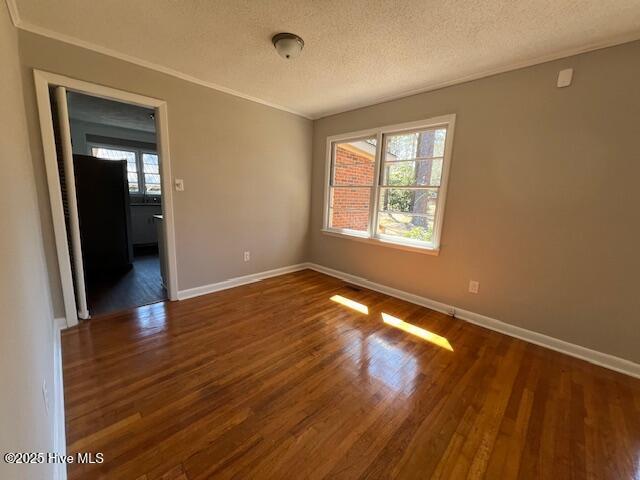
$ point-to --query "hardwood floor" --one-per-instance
(115, 291)
(275, 380)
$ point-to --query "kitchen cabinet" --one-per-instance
(143, 228)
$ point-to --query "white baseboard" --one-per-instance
(598, 358)
(59, 440)
(237, 281)
(592, 356)
(60, 323)
(393, 292)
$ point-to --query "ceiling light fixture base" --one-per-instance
(288, 45)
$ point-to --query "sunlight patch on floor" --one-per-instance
(350, 304)
(417, 331)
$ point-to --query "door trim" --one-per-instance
(43, 80)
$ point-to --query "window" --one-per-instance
(143, 168)
(388, 185)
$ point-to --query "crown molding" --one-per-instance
(29, 27)
(509, 67)
(13, 12)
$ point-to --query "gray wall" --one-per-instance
(246, 167)
(543, 206)
(26, 317)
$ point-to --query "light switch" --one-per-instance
(564, 77)
(179, 183)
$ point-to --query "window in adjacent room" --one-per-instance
(143, 168)
(388, 184)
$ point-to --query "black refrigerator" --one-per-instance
(102, 192)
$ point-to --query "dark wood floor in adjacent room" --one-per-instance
(275, 380)
(109, 292)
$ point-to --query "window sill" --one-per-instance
(383, 243)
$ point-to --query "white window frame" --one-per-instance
(139, 163)
(381, 134)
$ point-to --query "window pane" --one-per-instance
(413, 173)
(151, 178)
(354, 162)
(410, 146)
(151, 174)
(349, 208)
(150, 159)
(116, 154)
(407, 213)
(152, 188)
(352, 177)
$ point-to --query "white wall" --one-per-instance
(26, 318)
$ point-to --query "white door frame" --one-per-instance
(72, 203)
(43, 80)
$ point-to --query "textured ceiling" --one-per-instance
(109, 112)
(356, 52)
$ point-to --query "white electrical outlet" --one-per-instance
(45, 396)
(474, 286)
(247, 256)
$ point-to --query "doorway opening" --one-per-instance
(108, 172)
(119, 195)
